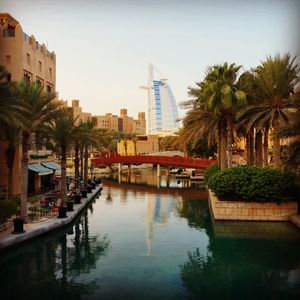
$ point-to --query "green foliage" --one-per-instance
(210, 171)
(255, 184)
(201, 148)
(168, 143)
(7, 209)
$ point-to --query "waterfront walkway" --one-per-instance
(33, 230)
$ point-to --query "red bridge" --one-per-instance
(175, 161)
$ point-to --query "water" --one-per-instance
(137, 241)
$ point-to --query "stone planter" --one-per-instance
(251, 211)
(84, 194)
(18, 226)
(78, 199)
(69, 205)
(62, 212)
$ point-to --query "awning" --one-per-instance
(39, 169)
(51, 165)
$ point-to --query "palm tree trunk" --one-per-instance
(276, 150)
(63, 175)
(76, 161)
(24, 178)
(10, 159)
(86, 159)
(81, 162)
(223, 146)
(229, 141)
(219, 146)
(266, 147)
(251, 154)
(248, 148)
(258, 148)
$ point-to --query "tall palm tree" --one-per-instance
(39, 108)
(12, 137)
(62, 132)
(219, 94)
(275, 80)
(11, 110)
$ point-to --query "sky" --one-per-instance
(103, 47)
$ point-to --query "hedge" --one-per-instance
(7, 209)
(255, 184)
(210, 171)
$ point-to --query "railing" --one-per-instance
(162, 160)
(9, 32)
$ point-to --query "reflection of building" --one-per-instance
(23, 56)
(144, 144)
(162, 108)
(158, 211)
(122, 123)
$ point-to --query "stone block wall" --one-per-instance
(254, 211)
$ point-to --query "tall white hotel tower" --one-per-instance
(162, 108)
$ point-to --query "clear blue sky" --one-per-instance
(103, 46)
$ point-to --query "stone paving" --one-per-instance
(35, 229)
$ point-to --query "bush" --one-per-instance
(255, 184)
(210, 171)
(7, 209)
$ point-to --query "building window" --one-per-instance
(50, 72)
(40, 66)
(49, 89)
(39, 81)
(27, 76)
(8, 78)
(28, 58)
(8, 59)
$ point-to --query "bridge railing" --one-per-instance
(162, 160)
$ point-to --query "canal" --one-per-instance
(149, 239)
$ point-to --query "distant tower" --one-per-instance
(162, 108)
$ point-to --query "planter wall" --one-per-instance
(254, 211)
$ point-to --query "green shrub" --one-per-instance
(7, 209)
(210, 171)
(255, 184)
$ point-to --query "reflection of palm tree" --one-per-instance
(236, 268)
(87, 249)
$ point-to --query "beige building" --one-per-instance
(144, 144)
(122, 123)
(23, 56)
(78, 114)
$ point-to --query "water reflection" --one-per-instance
(52, 269)
(140, 242)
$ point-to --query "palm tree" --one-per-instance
(12, 137)
(11, 110)
(90, 138)
(275, 80)
(62, 132)
(39, 108)
(219, 94)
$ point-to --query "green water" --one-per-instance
(138, 241)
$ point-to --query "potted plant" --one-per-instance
(84, 193)
(77, 198)
(70, 204)
(62, 212)
(18, 222)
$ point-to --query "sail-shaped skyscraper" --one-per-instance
(162, 108)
